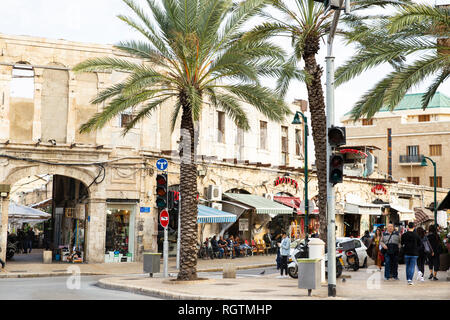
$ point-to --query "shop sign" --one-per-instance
(379, 189)
(243, 224)
(286, 180)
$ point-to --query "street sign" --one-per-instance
(164, 218)
(145, 209)
(162, 164)
(311, 207)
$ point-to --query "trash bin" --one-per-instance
(152, 263)
(309, 274)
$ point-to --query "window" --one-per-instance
(125, 119)
(298, 142)
(220, 127)
(435, 149)
(414, 180)
(22, 83)
(284, 145)
(412, 150)
(367, 122)
(424, 118)
(263, 135)
(438, 182)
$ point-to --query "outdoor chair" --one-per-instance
(260, 247)
(254, 247)
(249, 250)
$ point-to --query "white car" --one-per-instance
(360, 248)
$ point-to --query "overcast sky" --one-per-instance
(95, 21)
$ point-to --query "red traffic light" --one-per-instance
(337, 136)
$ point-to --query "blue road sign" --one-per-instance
(145, 210)
(162, 164)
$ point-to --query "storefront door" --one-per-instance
(120, 232)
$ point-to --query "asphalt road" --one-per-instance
(58, 288)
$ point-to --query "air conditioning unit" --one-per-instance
(214, 193)
(217, 206)
(268, 196)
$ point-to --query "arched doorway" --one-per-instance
(75, 196)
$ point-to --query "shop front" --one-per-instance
(120, 232)
(361, 217)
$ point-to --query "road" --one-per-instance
(56, 288)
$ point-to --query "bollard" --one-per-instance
(317, 251)
(229, 271)
(47, 257)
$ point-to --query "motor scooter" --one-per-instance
(350, 253)
(300, 251)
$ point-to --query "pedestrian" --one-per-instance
(424, 250)
(21, 243)
(285, 250)
(29, 240)
(433, 257)
(375, 250)
(366, 238)
(278, 244)
(411, 243)
(2, 263)
(390, 244)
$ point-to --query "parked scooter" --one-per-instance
(351, 255)
(11, 249)
(299, 252)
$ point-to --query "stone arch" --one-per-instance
(238, 190)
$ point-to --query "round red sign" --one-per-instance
(164, 218)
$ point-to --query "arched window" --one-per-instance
(22, 83)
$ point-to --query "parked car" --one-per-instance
(360, 248)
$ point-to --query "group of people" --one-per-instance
(24, 240)
(416, 245)
(231, 246)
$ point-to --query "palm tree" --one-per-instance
(305, 23)
(413, 30)
(193, 53)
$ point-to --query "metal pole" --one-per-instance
(179, 234)
(331, 215)
(166, 253)
(306, 186)
(435, 197)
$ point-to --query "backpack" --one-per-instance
(426, 245)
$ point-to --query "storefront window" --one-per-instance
(119, 235)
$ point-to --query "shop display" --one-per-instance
(117, 236)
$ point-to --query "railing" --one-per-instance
(411, 159)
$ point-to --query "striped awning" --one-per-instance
(293, 202)
(423, 215)
(212, 215)
(260, 204)
(363, 208)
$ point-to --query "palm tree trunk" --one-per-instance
(188, 190)
(318, 123)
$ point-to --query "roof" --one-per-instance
(260, 204)
(213, 215)
(445, 204)
(413, 101)
(18, 211)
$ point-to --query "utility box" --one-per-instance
(309, 274)
(47, 257)
(317, 251)
(152, 263)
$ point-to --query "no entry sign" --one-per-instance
(164, 218)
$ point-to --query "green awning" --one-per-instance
(260, 204)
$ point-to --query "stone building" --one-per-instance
(102, 180)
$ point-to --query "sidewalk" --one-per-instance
(365, 284)
(29, 269)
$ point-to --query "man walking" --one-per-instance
(411, 243)
(285, 250)
(391, 245)
(29, 240)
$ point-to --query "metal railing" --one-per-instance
(411, 159)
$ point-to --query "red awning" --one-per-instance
(292, 202)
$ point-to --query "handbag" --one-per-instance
(383, 250)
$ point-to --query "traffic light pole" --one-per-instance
(179, 234)
(331, 214)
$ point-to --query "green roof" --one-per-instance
(414, 102)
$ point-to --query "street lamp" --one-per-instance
(297, 120)
(424, 164)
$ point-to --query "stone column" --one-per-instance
(4, 206)
(96, 231)
(37, 123)
(5, 79)
(71, 112)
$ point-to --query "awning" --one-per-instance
(22, 212)
(363, 208)
(423, 215)
(212, 215)
(404, 214)
(260, 204)
(293, 202)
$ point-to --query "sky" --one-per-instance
(95, 21)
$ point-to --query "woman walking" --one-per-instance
(376, 255)
(423, 251)
(433, 257)
(284, 252)
(411, 244)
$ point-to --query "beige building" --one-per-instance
(404, 136)
(103, 184)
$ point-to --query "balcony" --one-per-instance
(414, 160)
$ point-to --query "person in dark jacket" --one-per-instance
(390, 242)
(423, 251)
(29, 240)
(411, 244)
(433, 257)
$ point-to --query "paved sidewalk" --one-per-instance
(29, 269)
(365, 284)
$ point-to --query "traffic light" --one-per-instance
(337, 136)
(161, 190)
(174, 199)
(334, 4)
(336, 169)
